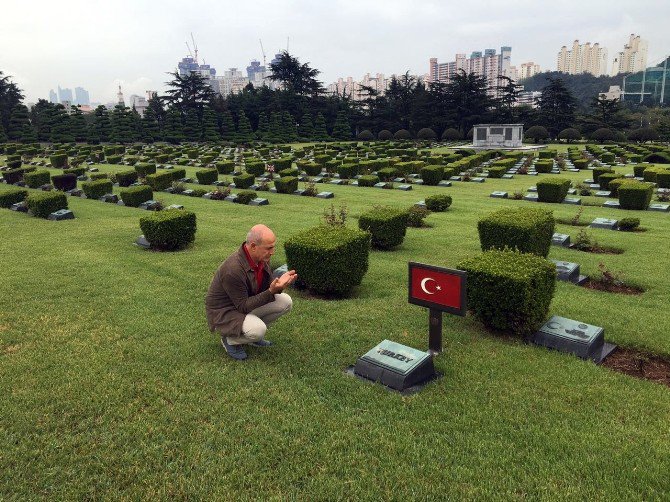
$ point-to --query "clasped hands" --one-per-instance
(278, 284)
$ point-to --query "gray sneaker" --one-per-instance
(262, 343)
(234, 351)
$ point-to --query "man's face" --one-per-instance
(264, 250)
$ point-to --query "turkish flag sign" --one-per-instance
(438, 288)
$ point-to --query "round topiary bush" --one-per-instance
(438, 203)
(426, 133)
(451, 134)
(365, 135)
(569, 134)
(537, 133)
(402, 134)
(386, 225)
(603, 134)
(385, 135)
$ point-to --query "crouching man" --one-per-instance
(243, 299)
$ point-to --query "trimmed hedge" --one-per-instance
(287, 184)
(597, 171)
(244, 180)
(438, 203)
(544, 165)
(42, 204)
(614, 185)
(510, 291)
(497, 171)
(207, 176)
(143, 169)
(160, 181)
(59, 161)
(312, 169)
(256, 168)
(12, 196)
(552, 189)
(432, 175)
(77, 171)
(245, 196)
(528, 230)
(177, 174)
(96, 189)
(134, 196)
(13, 175)
(330, 260)
(64, 182)
(606, 178)
(663, 179)
(368, 180)
(388, 173)
(169, 230)
(580, 163)
(37, 178)
(635, 195)
(347, 171)
(126, 178)
(289, 171)
(386, 224)
(225, 166)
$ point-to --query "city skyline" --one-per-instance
(134, 44)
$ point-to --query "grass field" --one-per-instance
(111, 386)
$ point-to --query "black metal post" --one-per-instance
(435, 331)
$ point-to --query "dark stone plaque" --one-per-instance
(381, 184)
(602, 193)
(337, 182)
(93, 170)
(594, 186)
(61, 214)
(318, 179)
(421, 204)
(508, 176)
(572, 191)
(47, 187)
(150, 205)
(532, 197)
(110, 198)
(325, 195)
(532, 173)
(21, 207)
(219, 183)
(604, 223)
(444, 183)
(568, 272)
(532, 189)
(478, 180)
(75, 192)
(612, 203)
(395, 365)
(588, 182)
(404, 188)
(499, 195)
(399, 180)
(417, 181)
(83, 177)
(560, 239)
(188, 192)
(572, 200)
(175, 206)
(455, 178)
(142, 242)
(259, 202)
(279, 271)
(581, 339)
(664, 208)
(231, 198)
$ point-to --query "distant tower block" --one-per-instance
(119, 97)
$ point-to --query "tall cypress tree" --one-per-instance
(40, 115)
(341, 128)
(102, 126)
(60, 126)
(136, 125)
(172, 129)
(289, 133)
(121, 125)
(28, 134)
(263, 127)
(192, 126)
(228, 131)
(150, 127)
(17, 119)
(320, 131)
(244, 132)
(3, 136)
(209, 129)
(78, 124)
(275, 132)
(306, 127)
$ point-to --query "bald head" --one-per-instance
(261, 243)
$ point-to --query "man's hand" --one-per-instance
(278, 285)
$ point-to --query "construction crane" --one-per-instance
(262, 50)
(194, 53)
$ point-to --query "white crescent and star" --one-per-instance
(425, 281)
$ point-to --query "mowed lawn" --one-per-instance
(112, 387)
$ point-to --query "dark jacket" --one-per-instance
(234, 293)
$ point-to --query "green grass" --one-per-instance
(112, 387)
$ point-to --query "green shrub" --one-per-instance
(438, 203)
(144, 168)
(552, 189)
(388, 173)
(12, 196)
(169, 230)
(347, 171)
(126, 178)
(256, 168)
(64, 182)
(497, 171)
(368, 180)
(330, 260)
(13, 175)
(638, 169)
(614, 185)
(544, 166)
(77, 171)
(432, 175)
(225, 166)
(606, 178)
(96, 189)
(386, 224)
(628, 224)
(663, 179)
(287, 184)
(510, 291)
(289, 171)
(245, 196)
(597, 171)
(312, 169)
(114, 159)
(284, 163)
(528, 230)
(177, 174)
(196, 192)
(37, 178)
(98, 176)
(580, 163)
(59, 161)
(134, 196)
(244, 180)
(651, 173)
(207, 176)
(546, 154)
(160, 181)
(42, 204)
(658, 157)
(635, 195)
(416, 215)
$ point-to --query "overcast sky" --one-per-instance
(101, 44)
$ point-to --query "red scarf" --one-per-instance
(256, 267)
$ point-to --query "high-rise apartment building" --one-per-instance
(64, 95)
(355, 89)
(584, 58)
(53, 97)
(528, 70)
(488, 65)
(81, 96)
(633, 58)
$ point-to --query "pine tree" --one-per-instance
(320, 131)
(289, 133)
(150, 127)
(17, 119)
(209, 129)
(192, 127)
(28, 134)
(172, 129)
(78, 124)
(306, 127)
(3, 136)
(102, 126)
(342, 129)
(60, 126)
(263, 127)
(136, 125)
(40, 115)
(275, 132)
(121, 125)
(244, 132)
(228, 131)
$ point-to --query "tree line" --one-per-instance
(299, 109)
